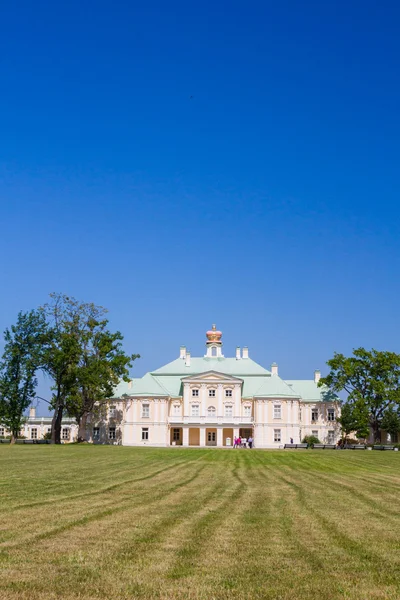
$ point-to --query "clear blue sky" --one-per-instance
(268, 203)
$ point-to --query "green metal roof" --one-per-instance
(310, 392)
(257, 381)
(229, 366)
(264, 387)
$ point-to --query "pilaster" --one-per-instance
(186, 394)
(202, 436)
(220, 411)
(185, 436)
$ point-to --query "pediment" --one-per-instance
(212, 376)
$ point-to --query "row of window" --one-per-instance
(315, 414)
(65, 433)
(211, 411)
(228, 410)
(278, 436)
(112, 435)
(212, 393)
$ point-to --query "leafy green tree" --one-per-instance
(68, 321)
(24, 348)
(354, 417)
(85, 360)
(391, 421)
(371, 380)
(103, 363)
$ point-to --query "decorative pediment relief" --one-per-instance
(211, 377)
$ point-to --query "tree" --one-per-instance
(68, 320)
(102, 364)
(85, 360)
(354, 417)
(391, 421)
(371, 378)
(23, 354)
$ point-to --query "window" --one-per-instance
(145, 411)
(34, 433)
(331, 437)
(277, 411)
(145, 434)
(213, 351)
(2, 431)
(331, 414)
(96, 433)
(65, 433)
(195, 410)
(299, 414)
(314, 414)
(211, 393)
(229, 410)
(211, 411)
(211, 436)
(112, 412)
(176, 435)
(111, 433)
(228, 393)
(177, 410)
(195, 393)
(277, 435)
(314, 433)
(247, 411)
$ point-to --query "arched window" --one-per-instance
(213, 351)
(211, 411)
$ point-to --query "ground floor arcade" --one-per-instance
(207, 436)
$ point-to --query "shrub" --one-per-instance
(310, 440)
(47, 435)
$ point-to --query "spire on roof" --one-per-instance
(214, 343)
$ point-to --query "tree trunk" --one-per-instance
(376, 431)
(56, 425)
(82, 428)
(13, 438)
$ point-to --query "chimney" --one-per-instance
(32, 412)
(187, 363)
(274, 369)
(245, 353)
(317, 376)
(182, 353)
(238, 357)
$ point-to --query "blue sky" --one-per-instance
(268, 203)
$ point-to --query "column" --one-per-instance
(203, 392)
(237, 392)
(186, 393)
(156, 410)
(202, 436)
(136, 432)
(220, 437)
(135, 410)
(220, 411)
(185, 436)
(162, 410)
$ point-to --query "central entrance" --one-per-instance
(211, 437)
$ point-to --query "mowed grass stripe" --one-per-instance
(95, 509)
(210, 524)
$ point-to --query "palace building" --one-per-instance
(210, 400)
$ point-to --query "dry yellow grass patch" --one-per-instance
(89, 523)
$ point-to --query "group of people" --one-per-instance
(240, 442)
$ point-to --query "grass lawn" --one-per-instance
(84, 522)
